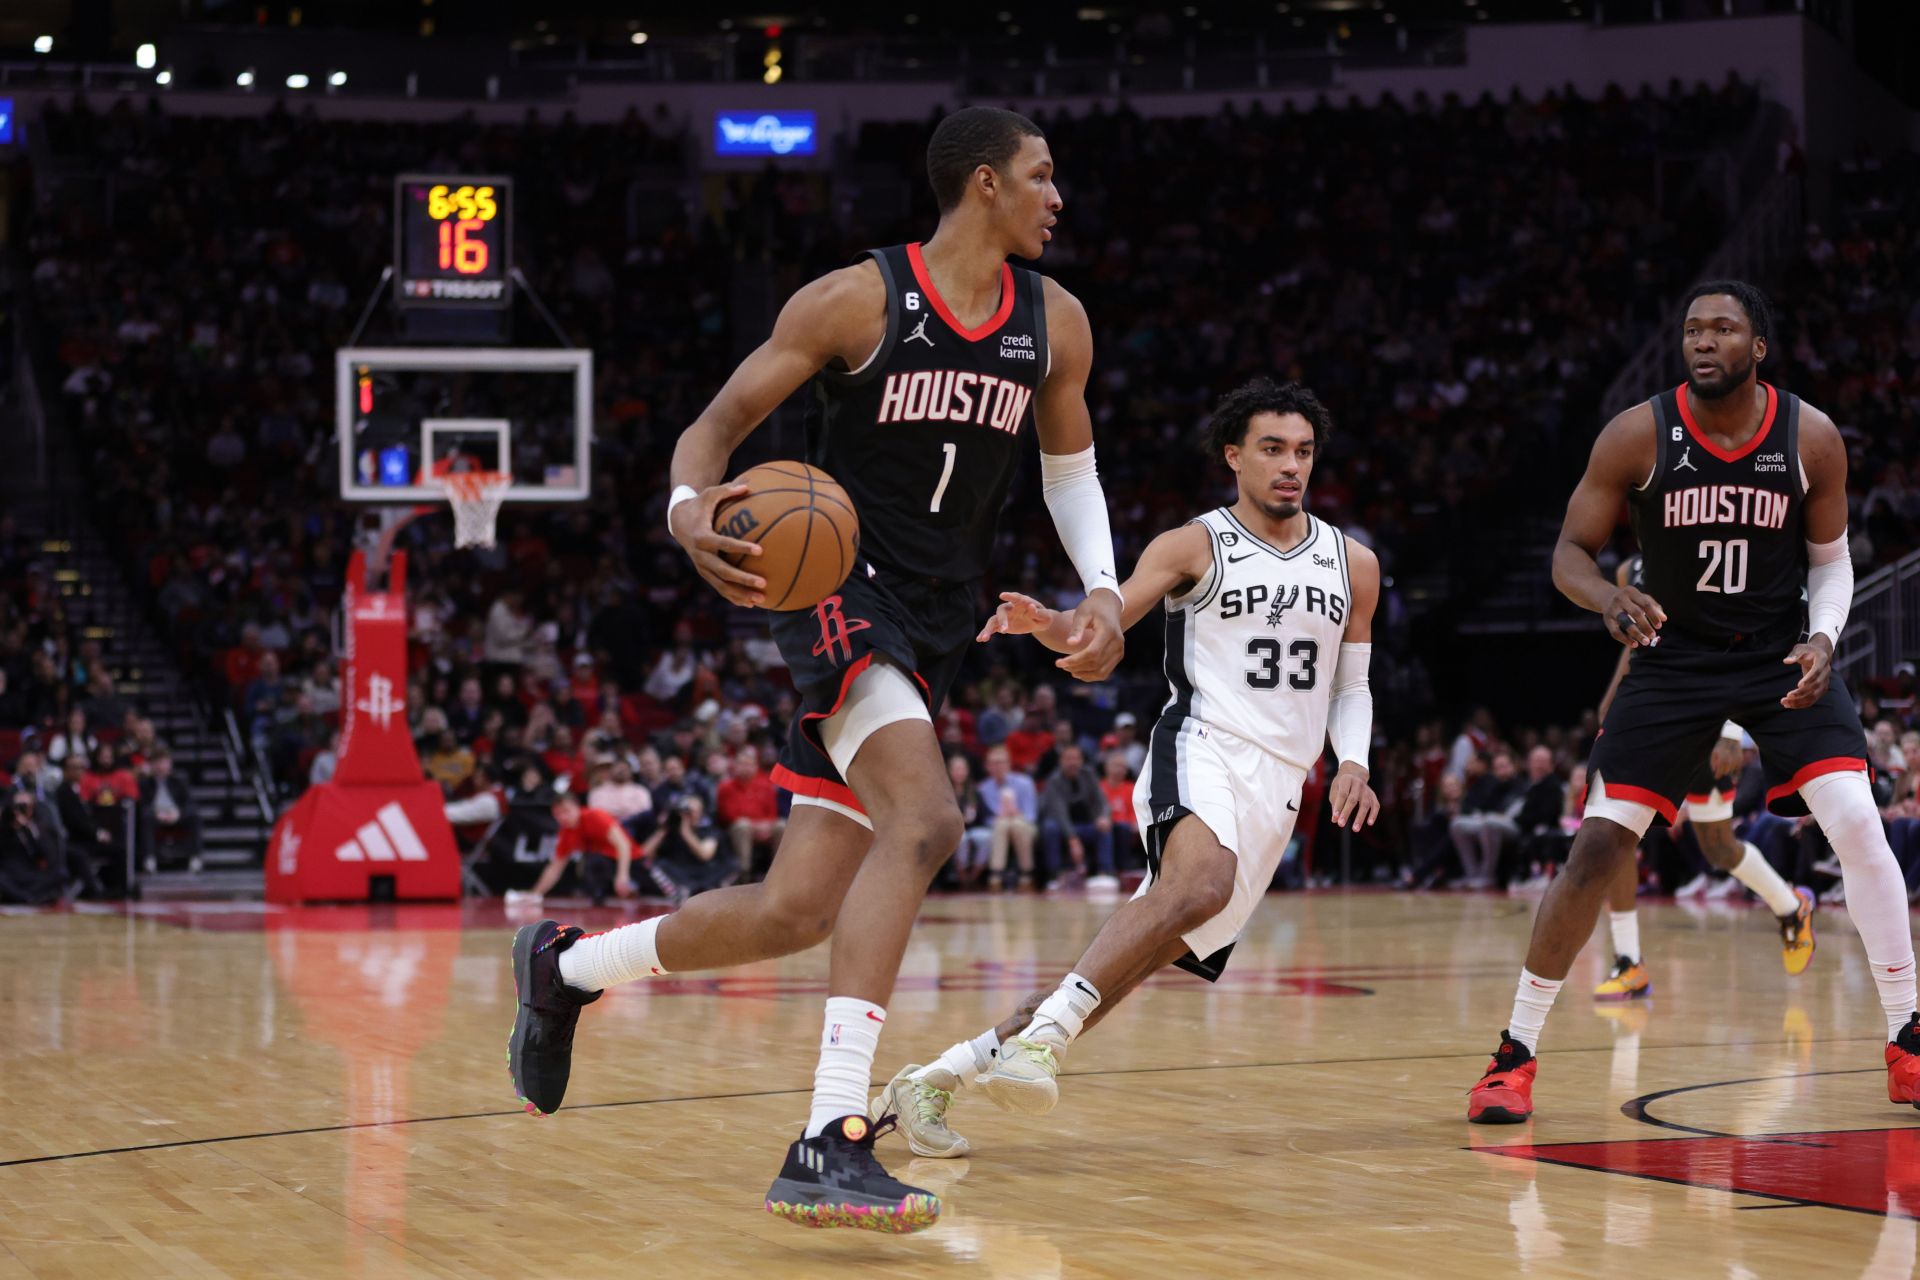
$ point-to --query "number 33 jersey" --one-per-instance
(925, 434)
(1251, 648)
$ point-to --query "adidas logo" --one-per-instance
(812, 1159)
(388, 837)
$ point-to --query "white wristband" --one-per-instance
(681, 493)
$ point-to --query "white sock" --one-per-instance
(600, 960)
(847, 1041)
(1758, 874)
(1625, 926)
(1061, 1016)
(1842, 804)
(1532, 1001)
(965, 1060)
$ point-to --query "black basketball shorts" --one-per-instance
(923, 625)
(1669, 711)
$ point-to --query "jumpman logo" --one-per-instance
(920, 332)
(1686, 460)
(835, 628)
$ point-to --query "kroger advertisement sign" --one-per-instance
(764, 133)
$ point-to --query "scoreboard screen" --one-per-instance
(452, 241)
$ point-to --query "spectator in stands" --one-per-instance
(75, 740)
(1486, 822)
(748, 809)
(107, 781)
(1433, 849)
(970, 860)
(1074, 821)
(509, 629)
(1542, 844)
(686, 853)
(30, 870)
(618, 794)
(468, 715)
(167, 813)
(261, 700)
(450, 764)
(675, 669)
(91, 840)
(1117, 786)
(1013, 807)
(604, 852)
(1001, 716)
(104, 705)
(1125, 739)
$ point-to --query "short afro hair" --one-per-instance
(1752, 301)
(967, 139)
(1238, 408)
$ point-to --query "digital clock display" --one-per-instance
(452, 241)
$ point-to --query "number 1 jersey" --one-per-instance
(1251, 647)
(924, 435)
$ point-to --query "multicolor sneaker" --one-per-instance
(1022, 1081)
(1505, 1093)
(834, 1181)
(1796, 934)
(1628, 982)
(921, 1107)
(540, 1052)
(1903, 1064)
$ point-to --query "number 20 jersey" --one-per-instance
(1251, 648)
(925, 434)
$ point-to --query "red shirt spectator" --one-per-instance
(752, 798)
(593, 833)
(1119, 800)
(1028, 743)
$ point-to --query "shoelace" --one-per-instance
(930, 1104)
(1041, 1053)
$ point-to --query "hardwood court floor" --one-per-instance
(249, 1092)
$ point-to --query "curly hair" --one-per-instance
(1238, 408)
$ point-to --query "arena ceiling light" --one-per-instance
(297, 81)
(43, 44)
(638, 37)
(145, 56)
(164, 78)
(337, 79)
(245, 79)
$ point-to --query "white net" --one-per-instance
(475, 497)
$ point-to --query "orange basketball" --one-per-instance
(805, 526)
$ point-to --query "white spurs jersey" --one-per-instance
(1252, 647)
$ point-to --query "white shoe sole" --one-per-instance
(1022, 1095)
(889, 1100)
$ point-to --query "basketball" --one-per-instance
(805, 526)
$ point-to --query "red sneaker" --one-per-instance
(1505, 1094)
(1903, 1064)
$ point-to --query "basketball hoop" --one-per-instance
(475, 497)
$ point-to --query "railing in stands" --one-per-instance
(1883, 628)
(239, 748)
(1771, 229)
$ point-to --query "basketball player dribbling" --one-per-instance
(1709, 808)
(928, 364)
(1738, 493)
(1269, 634)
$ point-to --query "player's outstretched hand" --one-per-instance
(1017, 615)
(1633, 617)
(1352, 797)
(692, 527)
(1815, 660)
(1095, 640)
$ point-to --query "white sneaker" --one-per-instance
(1103, 883)
(1022, 1081)
(921, 1106)
(1724, 888)
(523, 898)
(1699, 884)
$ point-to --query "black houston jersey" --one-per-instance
(925, 434)
(1722, 541)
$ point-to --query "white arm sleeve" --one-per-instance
(1350, 710)
(1829, 587)
(1079, 509)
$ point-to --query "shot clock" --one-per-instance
(452, 240)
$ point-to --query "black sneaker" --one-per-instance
(834, 1181)
(540, 1053)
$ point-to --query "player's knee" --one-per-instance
(929, 835)
(1200, 898)
(1597, 852)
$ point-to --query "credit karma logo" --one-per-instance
(770, 133)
